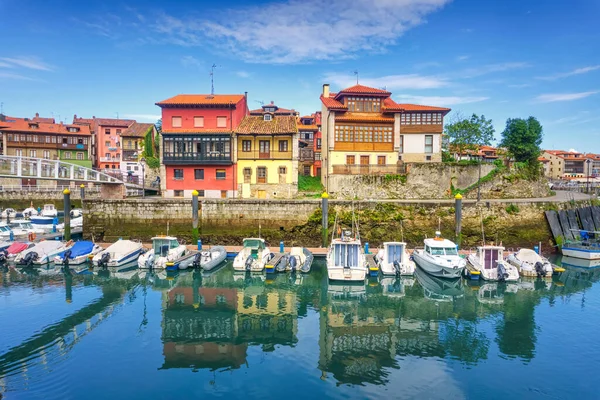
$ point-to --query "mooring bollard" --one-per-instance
(458, 217)
(195, 215)
(82, 191)
(199, 244)
(67, 207)
(324, 218)
(281, 246)
(366, 247)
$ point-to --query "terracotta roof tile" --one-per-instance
(29, 126)
(391, 105)
(114, 122)
(198, 130)
(257, 125)
(201, 99)
(302, 127)
(361, 89)
(354, 116)
(279, 111)
(137, 129)
(332, 103)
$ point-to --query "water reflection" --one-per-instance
(210, 321)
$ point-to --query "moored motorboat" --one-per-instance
(78, 254)
(42, 253)
(253, 256)
(17, 247)
(76, 212)
(49, 210)
(165, 249)
(440, 258)
(489, 262)
(205, 259)
(530, 263)
(587, 247)
(30, 212)
(24, 228)
(393, 259)
(346, 259)
(6, 233)
(119, 253)
(76, 222)
(42, 222)
(9, 213)
(298, 259)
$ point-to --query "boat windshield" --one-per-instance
(440, 251)
(345, 255)
(4, 228)
(394, 252)
(49, 207)
(254, 243)
(162, 246)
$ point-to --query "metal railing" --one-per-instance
(45, 189)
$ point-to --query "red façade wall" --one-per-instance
(210, 182)
(234, 116)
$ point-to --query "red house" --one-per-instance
(197, 151)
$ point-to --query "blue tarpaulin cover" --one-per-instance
(79, 249)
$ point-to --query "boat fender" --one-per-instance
(31, 236)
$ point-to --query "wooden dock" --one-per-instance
(565, 224)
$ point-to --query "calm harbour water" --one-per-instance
(126, 335)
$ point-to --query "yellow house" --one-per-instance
(267, 156)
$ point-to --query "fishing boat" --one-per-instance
(346, 259)
(298, 259)
(253, 256)
(9, 213)
(587, 248)
(205, 259)
(118, 254)
(78, 254)
(440, 258)
(49, 211)
(439, 289)
(42, 253)
(165, 249)
(393, 259)
(489, 261)
(530, 263)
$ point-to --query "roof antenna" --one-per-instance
(2, 108)
(117, 114)
(262, 103)
(212, 79)
(356, 73)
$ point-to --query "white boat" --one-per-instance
(530, 263)
(253, 256)
(74, 223)
(165, 249)
(119, 253)
(78, 254)
(588, 248)
(440, 258)
(394, 259)
(76, 212)
(9, 213)
(49, 211)
(298, 259)
(205, 259)
(30, 212)
(489, 261)
(346, 259)
(24, 228)
(6, 232)
(42, 253)
(45, 223)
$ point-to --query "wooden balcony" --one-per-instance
(307, 154)
(369, 169)
(130, 155)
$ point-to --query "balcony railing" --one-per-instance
(369, 169)
(109, 159)
(307, 154)
(130, 155)
(216, 158)
(271, 155)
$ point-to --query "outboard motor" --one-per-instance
(30, 258)
(3, 256)
(150, 261)
(397, 268)
(539, 269)
(502, 275)
(293, 263)
(103, 262)
(249, 262)
(197, 263)
(66, 258)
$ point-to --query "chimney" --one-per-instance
(326, 90)
(75, 117)
(37, 115)
(246, 96)
(272, 102)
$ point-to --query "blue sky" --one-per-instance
(504, 59)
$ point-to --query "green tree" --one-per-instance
(469, 134)
(522, 138)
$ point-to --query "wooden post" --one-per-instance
(67, 207)
(458, 218)
(195, 215)
(324, 218)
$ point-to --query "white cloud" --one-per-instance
(8, 76)
(553, 97)
(243, 74)
(491, 68)
(26, 62)
(300, 30)
(462, 58)
(143, 117)
(390, 82)
(577, 71)
(441, 101)
(190, 61)
(520, 85)
(573, 151)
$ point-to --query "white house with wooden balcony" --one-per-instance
(365, 132)
(132, 148)
(267, 156)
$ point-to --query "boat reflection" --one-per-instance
(439, 289)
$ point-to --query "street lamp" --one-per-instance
(587, 189)
(142, 162)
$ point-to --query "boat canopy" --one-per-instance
(489, 256)
(528, 255)
(345, 255)
(16, 247)
(49, 207)
(394, 251)
(79, 249)
(162, 245)
(254, 244)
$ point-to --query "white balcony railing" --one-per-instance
(109, 159)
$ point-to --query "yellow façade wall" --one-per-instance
(272, 170)
(339, 157)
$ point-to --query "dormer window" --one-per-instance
(268, 117)
(269, 109)
(73, 129)
(33, 125)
